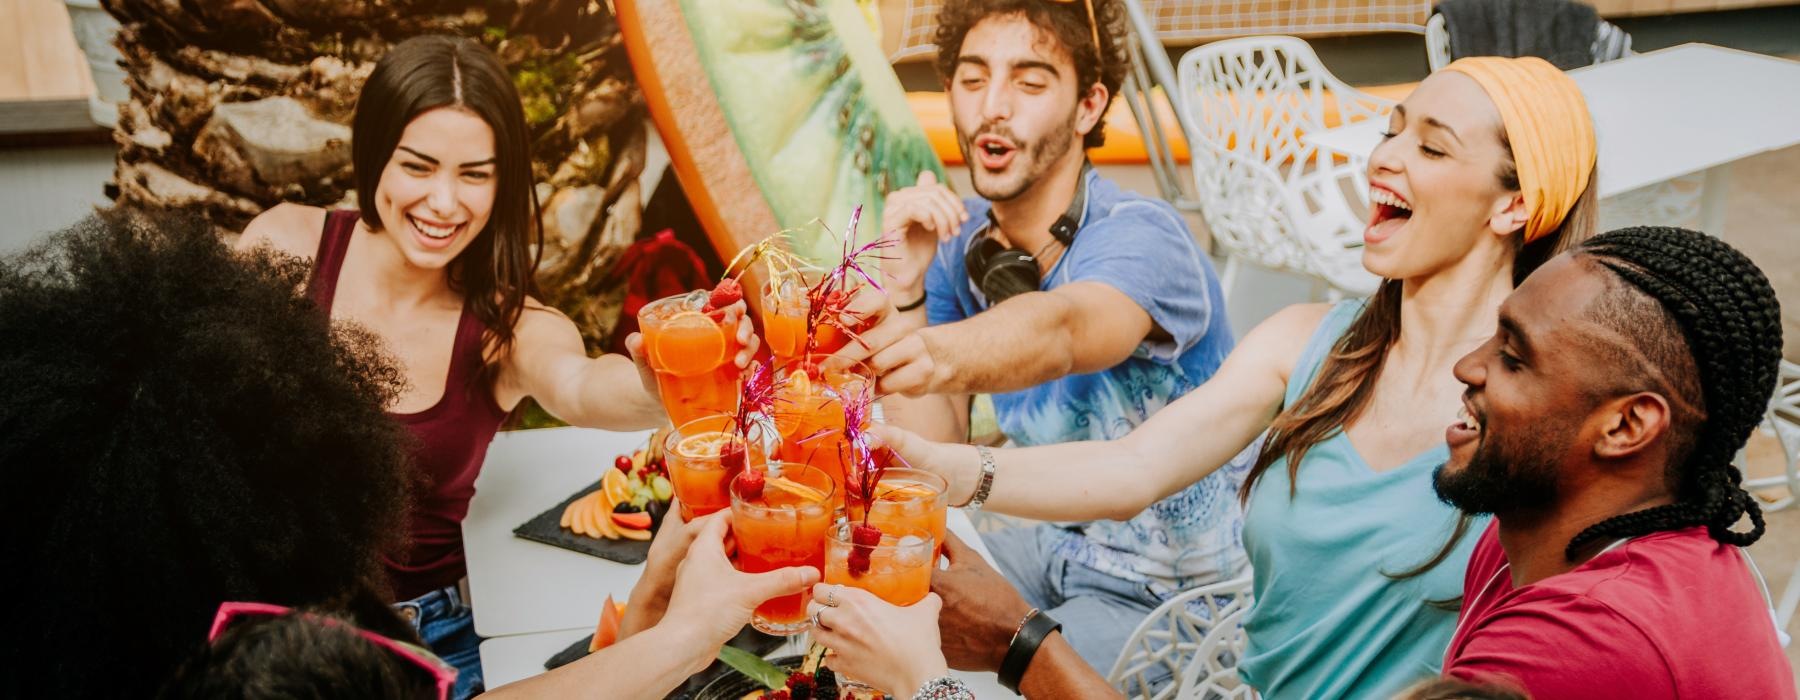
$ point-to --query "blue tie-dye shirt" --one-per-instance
(1141, 247)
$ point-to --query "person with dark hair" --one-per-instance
(439, 264)
(274, 653)
(1081, 307)
(1487, 170)
(1598, 428)
(179, 428)
(257, 650)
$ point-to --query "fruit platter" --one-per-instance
(615, 517)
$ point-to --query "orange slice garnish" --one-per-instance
(795, 488)
(688, 345)
(702, 446)
(891, 491)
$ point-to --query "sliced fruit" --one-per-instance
(607, 631)
(906, 491)
(639, 535)
(616, 487)
(632, 521)
(688, 345)
(704, 445)
(796, 488)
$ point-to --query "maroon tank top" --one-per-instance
(451, 437)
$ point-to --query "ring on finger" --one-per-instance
(817, 623)
(831, 597)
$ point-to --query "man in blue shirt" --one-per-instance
(1081, 307)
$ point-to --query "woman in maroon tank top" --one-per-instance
(439, 264)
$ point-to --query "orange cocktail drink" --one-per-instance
(779, 518)
(809, 412)
(702, 456)
(897, 570)
(905, 500)
(896, 567)
(692, 353)
(785, 307)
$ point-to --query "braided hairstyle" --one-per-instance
(1728, 314)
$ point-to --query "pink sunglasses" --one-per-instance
(443, 672)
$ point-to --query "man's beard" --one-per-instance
(1503, 478)
(1043, 154)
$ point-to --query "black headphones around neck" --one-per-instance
(1001, 273)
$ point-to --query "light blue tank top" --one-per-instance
(1327, 623)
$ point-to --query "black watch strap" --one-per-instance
(1032, 631)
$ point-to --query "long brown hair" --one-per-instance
(1346, 379)
(497, 271)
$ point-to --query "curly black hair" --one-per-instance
(178, 427)
(1728, 316)
(298, 657)
(1067, 22)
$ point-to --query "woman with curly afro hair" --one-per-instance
(179, 427)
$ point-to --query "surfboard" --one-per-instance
(775, 113)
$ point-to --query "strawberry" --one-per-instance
(749, 485)
(732, 457)
(727, 293)
(623, 463)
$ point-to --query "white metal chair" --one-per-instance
(1782, 420)
(1189, 637)
(1268, 196)
(1213, 675)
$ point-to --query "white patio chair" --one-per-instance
(1174, 639)
(1782, 420)
(1213, 674)
(1267, 196)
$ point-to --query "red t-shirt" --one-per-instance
(1666, 615)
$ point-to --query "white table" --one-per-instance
(530, 597)
(1665, 114)
(518, 586)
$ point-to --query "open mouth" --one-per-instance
(432, 231)
(1389, 213)
(993, 152)
(1466, 429)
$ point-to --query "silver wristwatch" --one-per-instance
(987, 479)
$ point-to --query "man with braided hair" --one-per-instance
(1598, 428)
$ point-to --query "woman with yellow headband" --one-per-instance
(1486, 172)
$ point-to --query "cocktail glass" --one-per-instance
(898, 569)
(782, 526)
(692, 353)
(809, 411)
(905, 500)
(698, 455)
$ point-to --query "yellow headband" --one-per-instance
(1552, 135)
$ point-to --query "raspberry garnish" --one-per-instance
(732, 456)
(863, 539)
(727, 293)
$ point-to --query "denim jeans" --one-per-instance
(447, 624)
(1098, 611)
